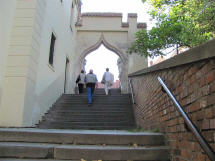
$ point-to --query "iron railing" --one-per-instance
(132, 93)
(205, 146)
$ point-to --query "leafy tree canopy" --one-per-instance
(186, 23)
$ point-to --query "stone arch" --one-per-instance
(122, 56)
(107, 45)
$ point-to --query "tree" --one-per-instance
(185, 23)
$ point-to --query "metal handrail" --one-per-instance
(206, 147)
(132, 93)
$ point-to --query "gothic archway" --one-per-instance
(124, 60)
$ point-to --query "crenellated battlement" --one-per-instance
(108, 21)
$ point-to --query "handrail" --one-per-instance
(132, 93)
(206, 147)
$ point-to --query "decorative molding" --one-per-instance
(101, 14)
(141, 25)
(125, 24)
(132, 15)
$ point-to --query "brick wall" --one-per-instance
(193, 85)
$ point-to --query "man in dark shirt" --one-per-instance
(91, 81)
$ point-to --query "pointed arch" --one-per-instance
(103, 41)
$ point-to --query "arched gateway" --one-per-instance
(95, 29)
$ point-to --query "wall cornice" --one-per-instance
(101, 14)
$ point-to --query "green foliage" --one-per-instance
(187, 23)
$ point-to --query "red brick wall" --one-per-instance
(193, 85)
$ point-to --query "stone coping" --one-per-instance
(202, 52)
(101, 14)
(141, 25)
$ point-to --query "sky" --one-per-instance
(102, 57)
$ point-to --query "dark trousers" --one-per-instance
(90, 91)
(80, 88)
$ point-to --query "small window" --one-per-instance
(51, 52)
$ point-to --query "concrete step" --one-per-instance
(103, 112)
(54, 126)
(89, 115)
(89, 111)
(94, 125)
(96, 102)
(12, 159)
(116, 96)
(93, 152)
(92, 107)
(87, 108)
(87, 137)
(85, 119)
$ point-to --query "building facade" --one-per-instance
(43, 45)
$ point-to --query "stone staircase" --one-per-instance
(71, 111)
(60, 136)
(62, 145)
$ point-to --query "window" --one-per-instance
(51, 52)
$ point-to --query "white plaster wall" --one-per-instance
(18, 64)
(29, 80)
(50, 80)
(102, 23)
(7, 8)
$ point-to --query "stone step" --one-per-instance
(91, 108)
(53, 126)
(90, 115)
(93, 152)
(70, 124)
(116, 96)
(87, 137)
(94, 105)
(99, 101)
(126, 101)
(103, 112)
(85, 119)
(12, 159)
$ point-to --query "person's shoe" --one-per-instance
(89, 104)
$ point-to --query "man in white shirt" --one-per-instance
(107, 79)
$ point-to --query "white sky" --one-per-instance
(102, 57)
(119, 6)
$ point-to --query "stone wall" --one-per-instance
(191, 78)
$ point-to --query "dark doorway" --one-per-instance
(66, 74)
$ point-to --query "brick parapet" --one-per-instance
(193, 85)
